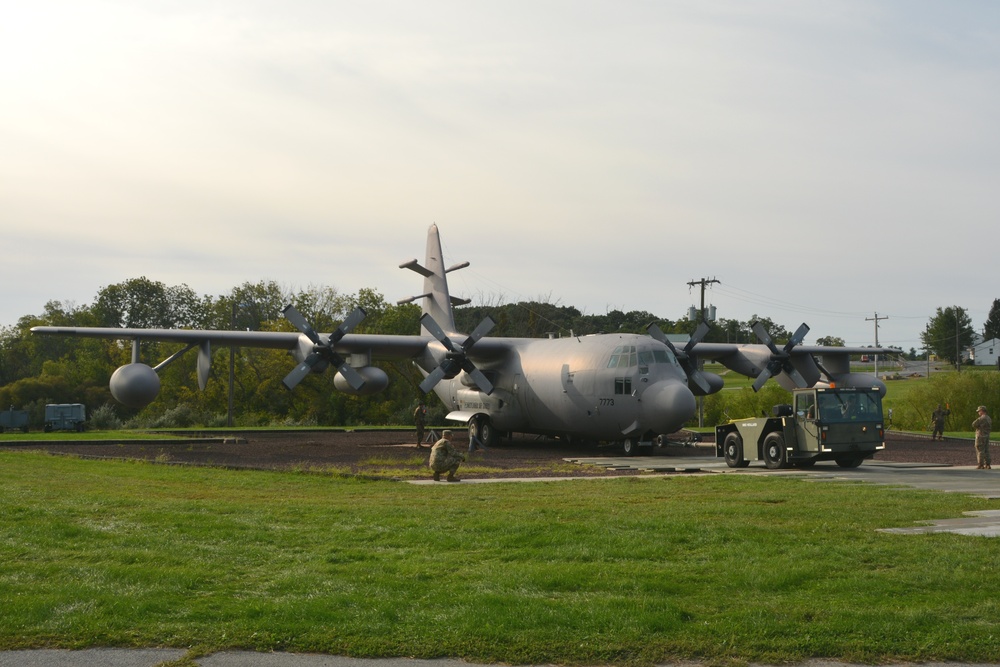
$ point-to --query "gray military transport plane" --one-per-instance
(631, 389)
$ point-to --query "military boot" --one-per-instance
(437, 477)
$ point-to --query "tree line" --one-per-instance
(36, 370)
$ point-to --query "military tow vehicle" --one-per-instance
(823, 424)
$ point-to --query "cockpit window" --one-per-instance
(626, 356)
(623, 357)
(663, 356)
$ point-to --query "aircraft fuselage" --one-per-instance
(600, 387)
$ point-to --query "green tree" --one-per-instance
(731, 331)
(948, 333)
(832, 341)
(991, 329)
(144, 303)
(779, 334)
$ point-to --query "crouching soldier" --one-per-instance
(445, 458)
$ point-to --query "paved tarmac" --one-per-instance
(948, 479)
(931, 476)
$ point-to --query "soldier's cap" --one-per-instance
(981, 408)
(446, 434)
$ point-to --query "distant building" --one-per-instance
(985, 353)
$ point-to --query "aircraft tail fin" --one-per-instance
(437, 300)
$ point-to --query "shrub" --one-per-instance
(105, 418)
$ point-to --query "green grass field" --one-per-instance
(725, 569)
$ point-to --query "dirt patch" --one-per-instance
(394, 453)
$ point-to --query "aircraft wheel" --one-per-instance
(630, 447)
(850, 462)
(733, 448)
(481, 427)
(487, 434)
(774, 451)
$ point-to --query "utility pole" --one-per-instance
(704, 282)
(876, 320)
(232, 367)
(958, 358)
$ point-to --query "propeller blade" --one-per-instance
(795, 376)
(481, 380)
(292, 314)
(696, 337)
(351, 321)
(764, 376)
(764, 336)
(431, 325)
(431, 380)
(484, 328)
(352, 376)
(798, 336)
(301, 371)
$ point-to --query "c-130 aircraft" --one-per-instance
(630, 389)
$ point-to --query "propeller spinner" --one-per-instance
(456, 357)
(323, 354)
(780, 359)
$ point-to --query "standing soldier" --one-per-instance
(937, 422)
(419, 417)
(983, 425)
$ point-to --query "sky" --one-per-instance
(826, 162)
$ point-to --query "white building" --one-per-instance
(986, 352)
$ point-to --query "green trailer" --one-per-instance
(822, 424)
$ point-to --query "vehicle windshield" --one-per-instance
(836, 407)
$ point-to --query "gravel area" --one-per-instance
(378, 452)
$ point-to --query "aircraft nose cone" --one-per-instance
(666, 406)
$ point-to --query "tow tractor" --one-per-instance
(823, 424)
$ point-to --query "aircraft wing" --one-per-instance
(794, 365)
(383, 346)
(717, 351)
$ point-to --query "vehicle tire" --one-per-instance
(630, 447)
(850, 462)
(732, 446)
(774, 451)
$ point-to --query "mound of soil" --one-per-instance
(374, 451)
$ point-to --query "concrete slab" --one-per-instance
(985, 523)
(105, 657)
(931, 476)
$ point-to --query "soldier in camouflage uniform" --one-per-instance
(982, 426)
(937, 422)
(419, 420)
(445, 458)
